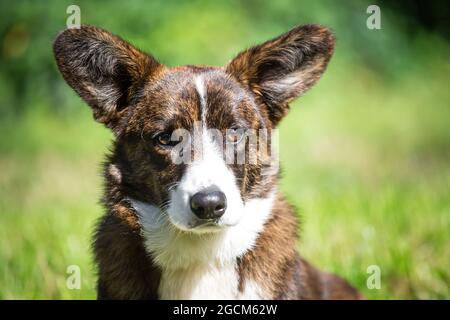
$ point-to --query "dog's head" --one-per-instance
(189, 140)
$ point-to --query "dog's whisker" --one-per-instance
(172, 186)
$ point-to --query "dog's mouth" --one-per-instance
(200, 226)
(205, 224)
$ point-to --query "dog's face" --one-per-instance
(207, 116)
(194, 142)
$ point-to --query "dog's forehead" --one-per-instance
(199, 93)
(180, 81)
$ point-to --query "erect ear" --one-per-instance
(103, 69)
(283, 68)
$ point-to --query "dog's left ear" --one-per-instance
(104, 70)
(283, 68)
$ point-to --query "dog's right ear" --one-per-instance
(282, 69)
(104, 70)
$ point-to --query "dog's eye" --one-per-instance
(234, 136)
(164, 139)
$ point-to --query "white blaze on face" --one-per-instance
(201, 90)
(207, 170)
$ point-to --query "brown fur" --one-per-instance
(282, 265)
(137, 97)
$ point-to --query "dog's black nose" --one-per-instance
(208, 205)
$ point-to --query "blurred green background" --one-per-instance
(365, 153)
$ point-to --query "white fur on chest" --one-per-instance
(200, 282)
(207, 283)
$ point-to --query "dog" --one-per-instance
(206, 228)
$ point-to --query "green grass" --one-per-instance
(369, 172)
(48, 215)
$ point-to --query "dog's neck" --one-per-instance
(202, 265)
(233, 264)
